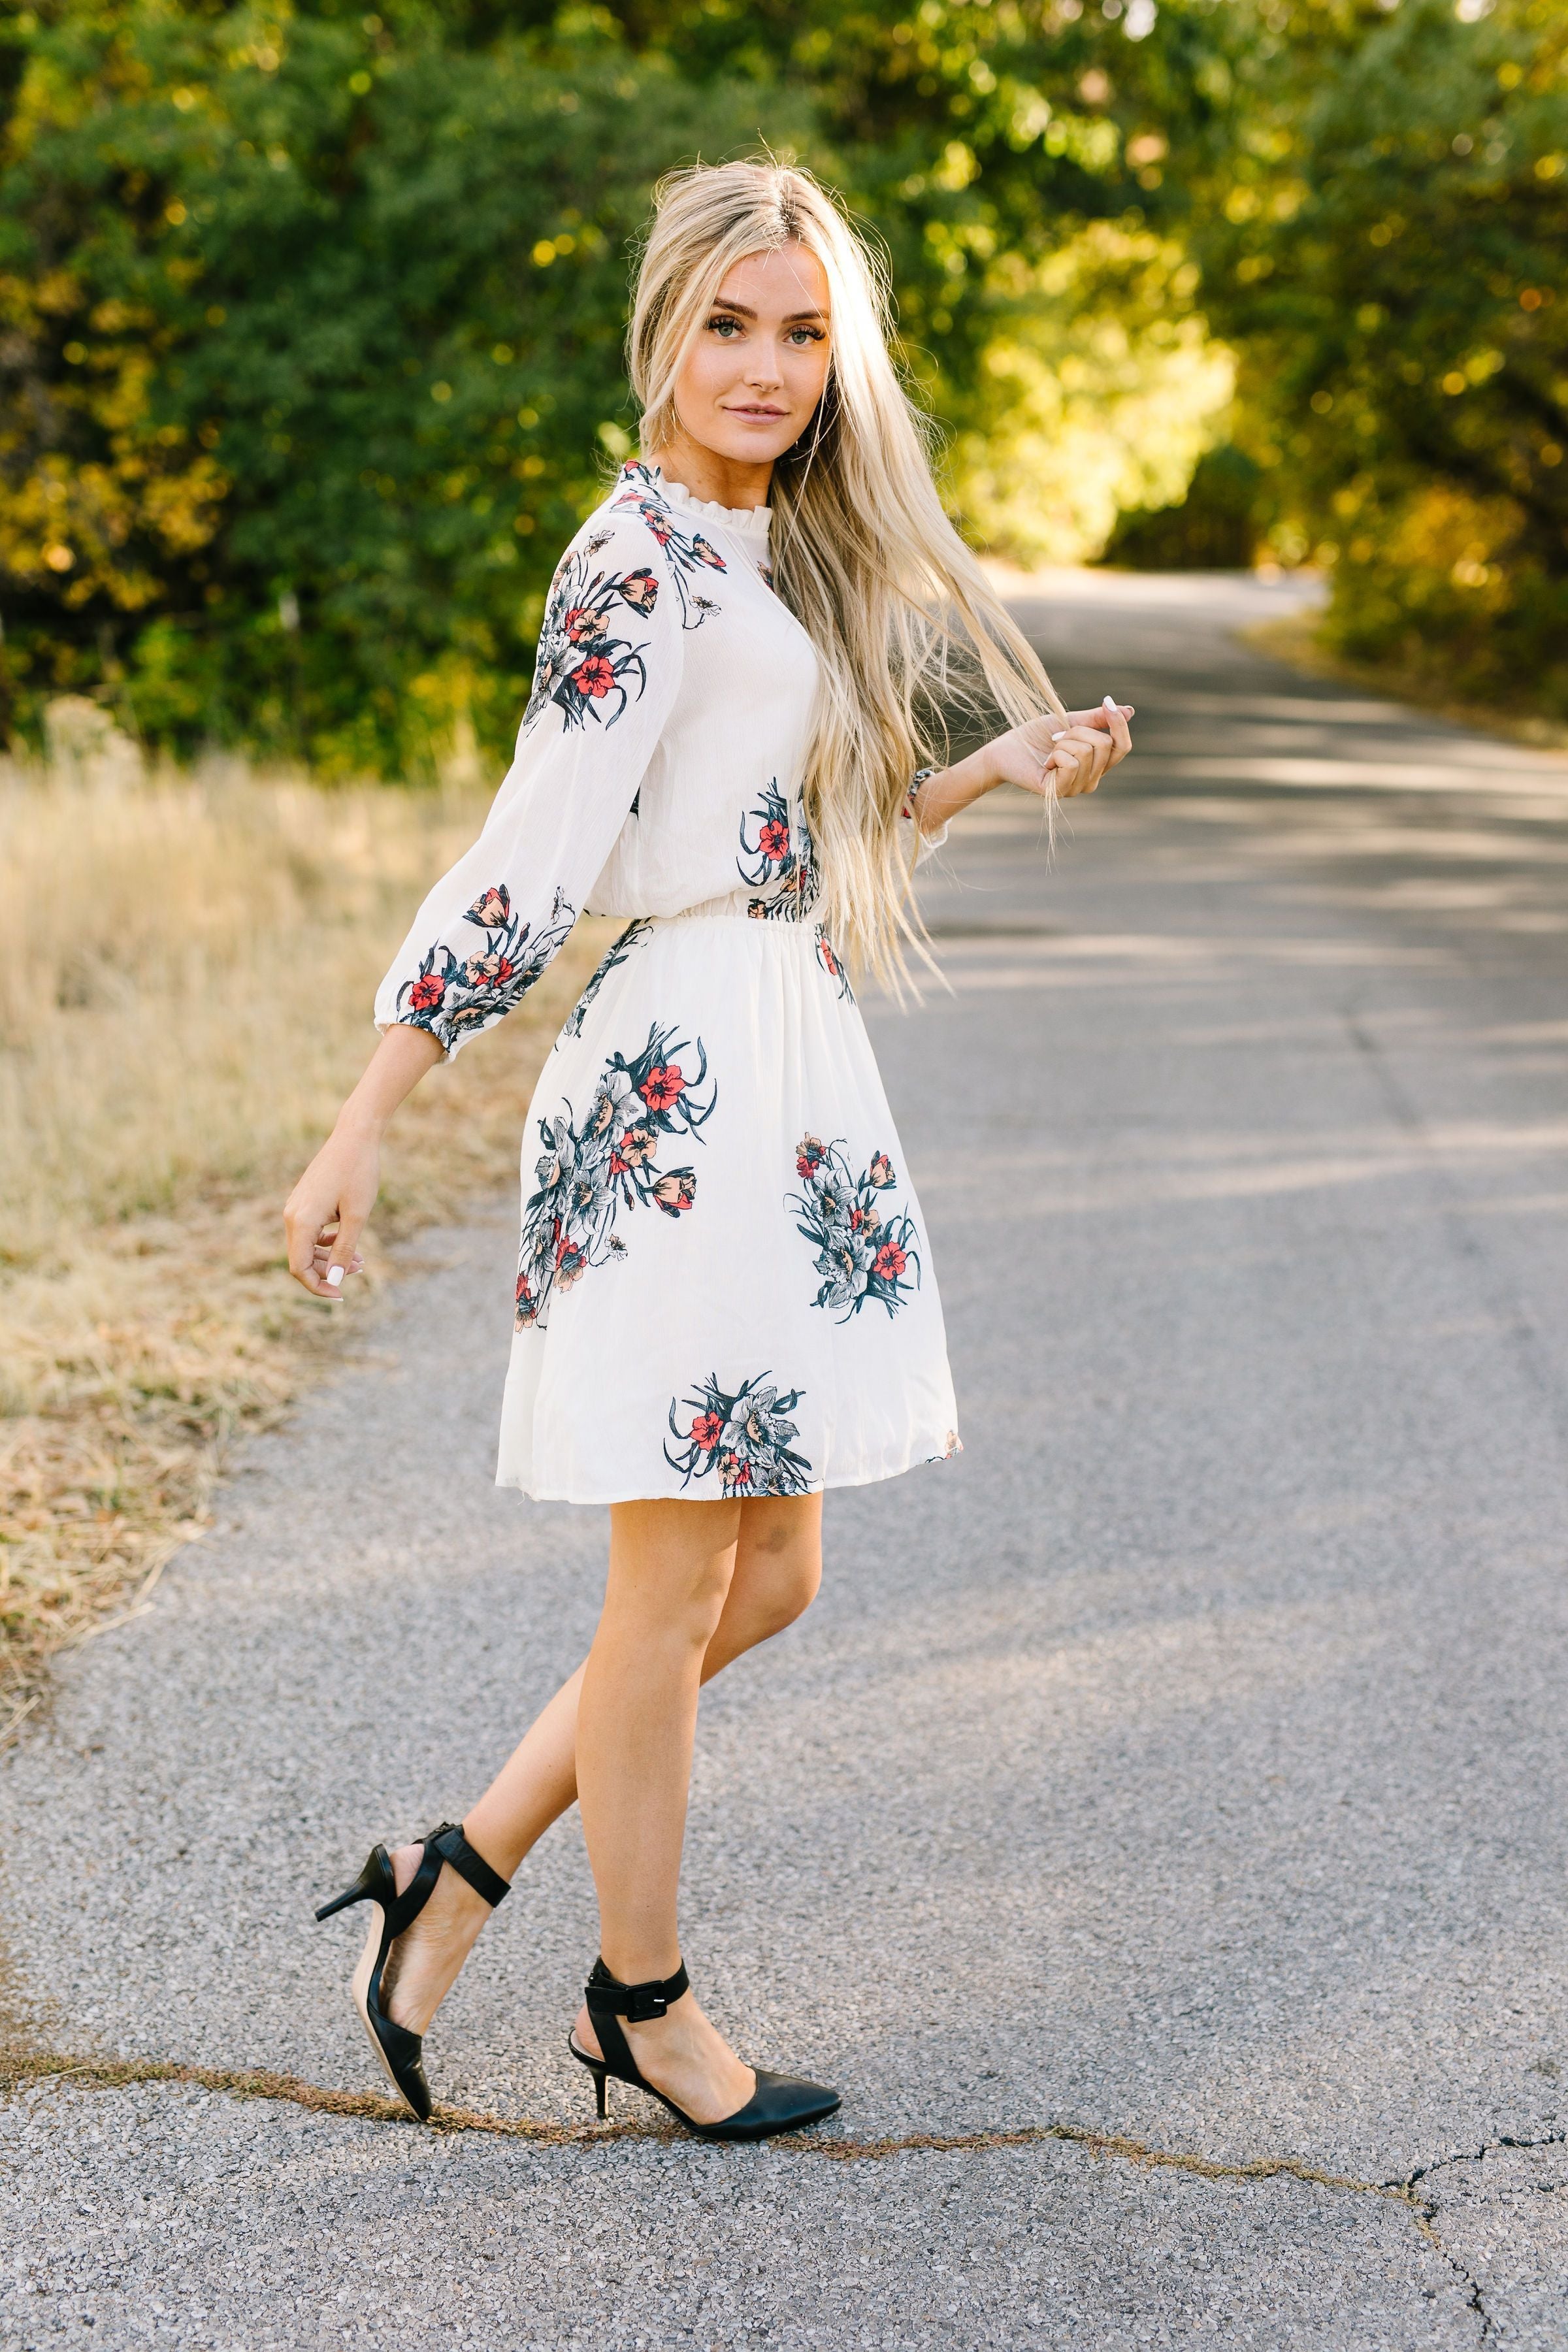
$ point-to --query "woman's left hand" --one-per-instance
(1076, 755)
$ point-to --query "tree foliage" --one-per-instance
(310, 318)
(312, 357)
(1387, 258)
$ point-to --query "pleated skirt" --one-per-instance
(724, 1285)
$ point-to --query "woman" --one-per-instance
(725, 1301)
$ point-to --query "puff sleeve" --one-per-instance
(607, 675)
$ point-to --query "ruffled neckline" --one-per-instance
(747, 522)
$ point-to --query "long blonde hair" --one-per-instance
(905, 623)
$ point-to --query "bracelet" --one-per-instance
(922, 776)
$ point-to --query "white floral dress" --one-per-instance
(724, 1286)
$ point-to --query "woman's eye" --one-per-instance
(805, 335)
(725, 327)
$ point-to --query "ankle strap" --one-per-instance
(607, 1997)
(452, 1846)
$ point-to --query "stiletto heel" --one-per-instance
(400, 2052)
(364, 1886)
(779, 2103)
(600, 2083)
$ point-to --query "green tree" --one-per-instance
(311, 338)
(309, 320)
(1383, 243)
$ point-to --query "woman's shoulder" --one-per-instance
(640, 502)
(641, 537)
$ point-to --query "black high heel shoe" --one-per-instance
(779, 2103)
(398, 2050)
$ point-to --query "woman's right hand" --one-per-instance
(327, 1210)
(328, 1207)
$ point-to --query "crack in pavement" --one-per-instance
(1479, 2155)
(1476, 2155)
(23, 2065)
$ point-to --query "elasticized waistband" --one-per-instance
(735, 907)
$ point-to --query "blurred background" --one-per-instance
(309, 320)
(310, 364)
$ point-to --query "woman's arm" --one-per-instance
(1078, 754)
(328, 1207)
(609, 663)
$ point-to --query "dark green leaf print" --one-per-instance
(587, 1173)
(744, 1437)
(618, 953)
(862, 1252)
(780, 861)
(452, 996)
(687, 552)
(583, 666)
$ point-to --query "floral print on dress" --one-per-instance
(862, 1254)
(618, 953)
(453, 995)
(587, 1173)
(582, 666)
(687, 550)
(745, 1437)
(827, 957)
(781, 862)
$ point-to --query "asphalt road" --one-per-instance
(1182, 1772)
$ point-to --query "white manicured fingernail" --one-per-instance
(334, 1277)
(1059, 733)
(1108, 705)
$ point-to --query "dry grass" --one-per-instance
(183, 1001)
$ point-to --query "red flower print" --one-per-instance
(593, 1170)
(774, 842)
(867, 1251)
(488, 971)
(582, 624)
(745, 1437)
(830, 962)
(426, 992)
(706, 553)
(594, 677)
(492, 908)
(640, 589)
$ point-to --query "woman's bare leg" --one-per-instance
(776, 1566)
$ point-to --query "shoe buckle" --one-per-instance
(647, 2005)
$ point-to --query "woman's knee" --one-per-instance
(796, 1588)
(671, 1567)
(779, 1558)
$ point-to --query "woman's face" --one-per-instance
(754, 375)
